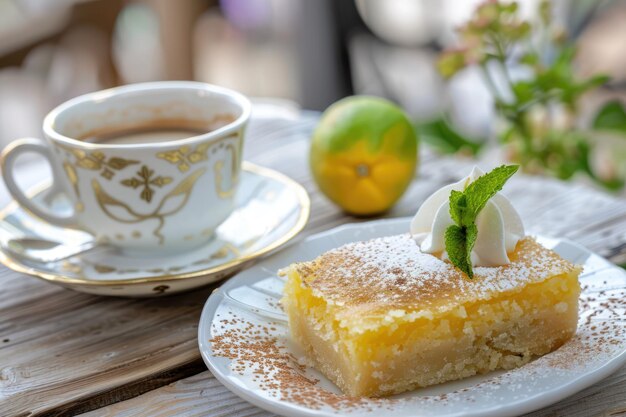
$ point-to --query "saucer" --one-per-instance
(244, 339)
(270, 210)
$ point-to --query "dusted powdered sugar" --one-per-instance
(258, 347)
(392, 273)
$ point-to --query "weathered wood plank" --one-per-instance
(68, 352)
(203, 395)
(60, 348)
(199, 395)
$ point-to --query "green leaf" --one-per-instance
(464, 208)
(575, 89)
(563, 62)
(442, 136)
(593, 82)
(515, 31)
(450, 62)
(611, 185)
(471, 234)
(530, 58)
(508, 135)
(558, 77)
(611, 117)
(485, 187)
(524, 91)
(509, 8)
(458, 204)
(457, 240)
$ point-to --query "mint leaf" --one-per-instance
(456, 246)
(485, 187)
(464, 208)
(459, 244)
(457, 205)
(471, 235)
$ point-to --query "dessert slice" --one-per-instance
(384, 316)
(381, 317)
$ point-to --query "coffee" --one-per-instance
(143, 135)
(160, 130)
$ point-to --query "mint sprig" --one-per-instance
(464, 208)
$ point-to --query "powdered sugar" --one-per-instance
(599, 342)
(392, 271)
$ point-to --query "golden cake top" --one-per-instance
(391, 273)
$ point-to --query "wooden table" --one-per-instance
(66, 353)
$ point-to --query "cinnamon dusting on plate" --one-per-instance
(261, 349)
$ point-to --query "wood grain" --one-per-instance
(199, 395)
(203, 395)
(61, 349)
(68, 352)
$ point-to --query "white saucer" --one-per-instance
(271, 209)
(249, 302)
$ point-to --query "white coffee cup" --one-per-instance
(165, 188)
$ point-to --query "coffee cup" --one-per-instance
(146, 167)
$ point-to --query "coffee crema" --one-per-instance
(155, 131)
(145, 135)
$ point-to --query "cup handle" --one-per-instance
(7, 161)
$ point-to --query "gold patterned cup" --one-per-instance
(162, 192)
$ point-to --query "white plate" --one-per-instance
(270, 209)
(250, 298)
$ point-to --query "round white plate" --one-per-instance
(270, 210)
(244, 314)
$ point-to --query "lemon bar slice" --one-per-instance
(380, 317)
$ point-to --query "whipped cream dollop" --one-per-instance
(499, 225)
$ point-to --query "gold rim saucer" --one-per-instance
(219, 270)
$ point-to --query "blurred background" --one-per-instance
(294, 53)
